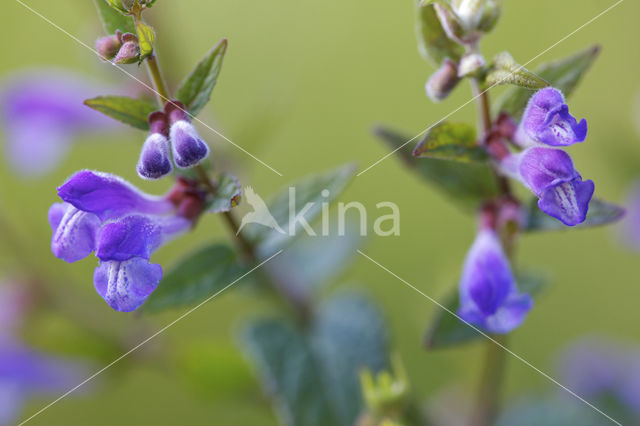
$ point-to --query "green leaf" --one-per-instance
(146, 39)
(195, 90)
(113, 20)
(563, 74)
(447, 330)
(451, 141)
(433, 43)
(469, 184)
(311, 373)
(228, 194)
(133, 112)
(507, 71)
(199, 276)
(600, 213)
(117, 5)
(308, 192)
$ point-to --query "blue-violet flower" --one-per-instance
(547, 121)
(550, 174)
(104, 214)
(188, 148)
(489, 297)
(155, 160)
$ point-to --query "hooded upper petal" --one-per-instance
(74, 232)
(547, 120)
(188, 148)
(542, 168)
(109, 196)
(489, 297)
(126, 285)
(155, 160)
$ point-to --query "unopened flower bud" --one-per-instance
(443, 81)
(155, 161)
(469, 11)
(471, 65)
(130, 50)
(490, 15)
(187, 147)
(108, 47)
(450, 23)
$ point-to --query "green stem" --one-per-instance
(492, 377)
(162, 93)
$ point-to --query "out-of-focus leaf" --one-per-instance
(506, 70)
(600, 213)
(195, 90)
(133, 112)
(552, 411)
(113, 20)
(307, 204)
(312, 373)
(200, 275)
(447, 330)
(451, 141)
(564, 75)
(309, 262)
(146, 39)
(469, 184)
(228, 194)
(433, 43)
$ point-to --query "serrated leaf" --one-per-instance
(433, 43)
(112, 20)
(146, 39)
(307, 191)
(469, 184)
(451, 141)
(311, 373)
(563, 74)
(228, 194)
(446, 330)
(506, 70)
(133, 112)
(200, 275)
(195, 90)
(600, 213)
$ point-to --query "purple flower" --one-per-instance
(550, 174)
(489, 297)
(188, 148)
(24, 372)
(155, 160)
(603, 368)
(104, 214)
(631, 224)
(547, 121)
(42, 113)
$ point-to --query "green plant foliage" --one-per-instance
(112, 20)
(505, 70)
(433, 43)
(451, 141)
(133, 112)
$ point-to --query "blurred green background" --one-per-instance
(302, 85)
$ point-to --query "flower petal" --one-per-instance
(74, 234)
(155, 160)
(109, 196)
(126, 285)
(188, 148)
(542, 168)
(568, 202)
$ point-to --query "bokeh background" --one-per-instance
(302, 85)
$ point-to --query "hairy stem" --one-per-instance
(490, 384)
(162, 93)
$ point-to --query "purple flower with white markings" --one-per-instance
(155, 160)
(42, 113)
(188, 148)
(104, 214)
(489, 297)
(550, 174)
(547, 121)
